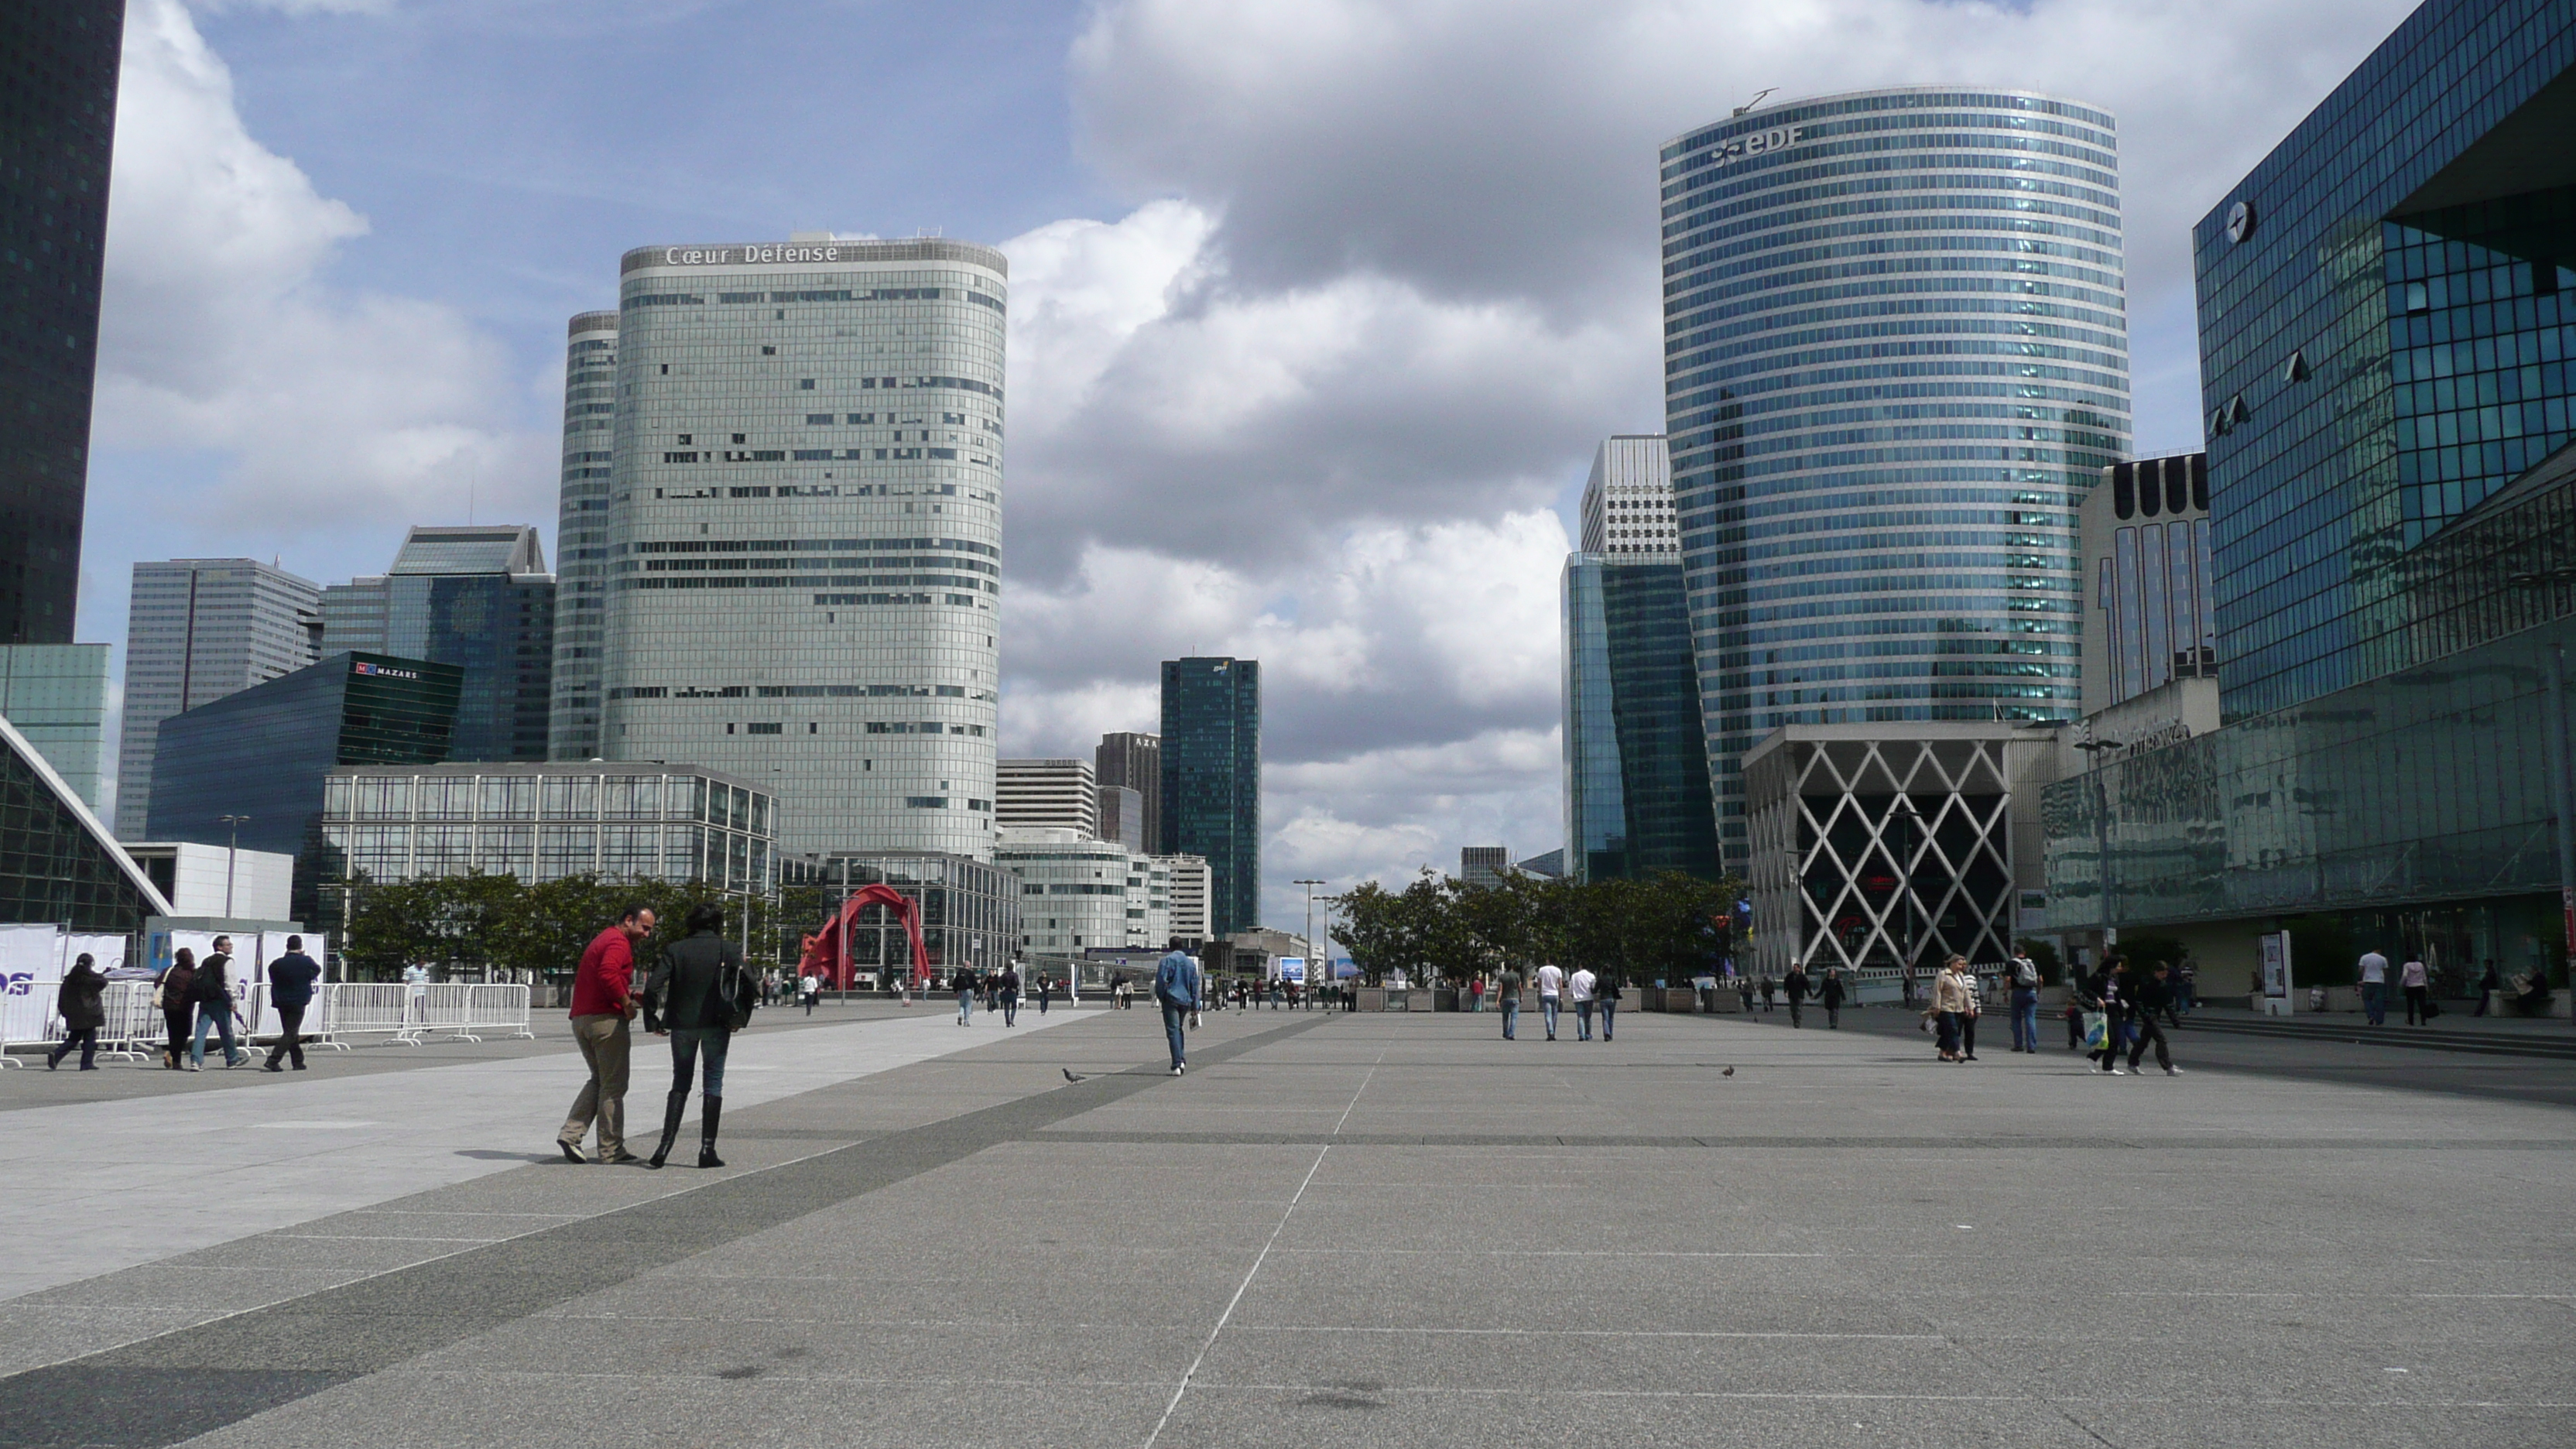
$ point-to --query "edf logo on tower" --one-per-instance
(1756, 143)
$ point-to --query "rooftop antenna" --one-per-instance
(1748, 106)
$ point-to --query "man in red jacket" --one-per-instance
(603, 1002)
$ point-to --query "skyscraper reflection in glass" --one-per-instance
(1896, 358)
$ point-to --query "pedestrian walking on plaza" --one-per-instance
(1795, 988)
(78, 1003)
(1744, 989)
(173, 991)
(963, 983)
(1976, 1008)
(1832, 996)
(1507, 996)
(697, 996)
(214, 993)
(1046, 993)
(2416, 983)
(1951, 995)
(2489, 986)
(1551, 993)
(603, 1002)
(1476, 992)
(2104, 995)
(2153, 994)
(810, 988)
(1006, 989)
(1178, 987)
(2374, 987)
(1767, 989)
(2025, 1002)
(2187, 982)
(290, 990)
(1579, 987)
(1607, 989)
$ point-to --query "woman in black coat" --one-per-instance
(698, 996)
(177, 1000)
(82, 1012)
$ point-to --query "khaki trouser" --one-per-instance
(604, 1042)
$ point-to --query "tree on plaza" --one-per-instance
(1662, 928)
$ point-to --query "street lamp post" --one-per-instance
(232, 854)
(1903, 811)
(1310, 929)
(2559, 797)
(2101, 840)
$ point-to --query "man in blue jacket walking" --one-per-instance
(290, 990)
(1176, 985)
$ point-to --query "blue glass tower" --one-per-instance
(1212, 781)
(1896, 357)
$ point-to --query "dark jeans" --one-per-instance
(1511, 1017)
(1797, 1013)
(2148, 1031)
(86, 1039)
(2374, 1002)
(686, 1043)
(2415, 1007)
(1609, 1009)
(1948, 1022)
(1834, 1015)
(2025, 1019)
(1176, 1026)
(1010, 1010)
(1968, 1033)
(290, 1040)
(2118, 1028)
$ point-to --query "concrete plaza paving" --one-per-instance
(1384, 1230)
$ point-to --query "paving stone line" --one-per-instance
(1977, 1144)
(159, 1391)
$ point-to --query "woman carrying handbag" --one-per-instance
(174, 991)
(698, 996)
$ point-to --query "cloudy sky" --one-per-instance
(1318, 306)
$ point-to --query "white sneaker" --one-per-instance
(1176, 1071)
(2114, 1072)
(2173, 1071)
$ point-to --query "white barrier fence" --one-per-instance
(402, 1015)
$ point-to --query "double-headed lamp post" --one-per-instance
(2101, 839)
(232, 853)
(1309, 983)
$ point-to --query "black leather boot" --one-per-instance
(673, 1106)
(711, 1113)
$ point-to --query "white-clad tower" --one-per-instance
(805, 531)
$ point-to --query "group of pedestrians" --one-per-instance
(998, 990)
(1830, 993)
(698, 995)
(1591, 994)
(2115, 1009)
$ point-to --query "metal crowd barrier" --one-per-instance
(404, 1015)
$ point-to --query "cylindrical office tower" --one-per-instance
(581, 536)
(805, 530)
(1896, 357)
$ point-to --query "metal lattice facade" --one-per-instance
(1871, 852)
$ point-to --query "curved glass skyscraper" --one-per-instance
(1896, 356)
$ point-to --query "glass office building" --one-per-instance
(581, 535)
(804, 531)
(197, 629)
(1636, 758)
(58, 863)
(56, 694)
(1212, 781)
(475, 597)
(2150, 614)
(542, 822)
(58, 74)
(263, 753)
(1896, 359)
(2386, 335)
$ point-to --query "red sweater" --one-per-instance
(607, 976)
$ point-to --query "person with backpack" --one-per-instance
(1178, 987)
(698, 996)
(213, 991)
(78, 1002)
(2025, 1002)
(171, 992)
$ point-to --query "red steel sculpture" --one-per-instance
(822, 957)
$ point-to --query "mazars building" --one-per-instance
(804, 531)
